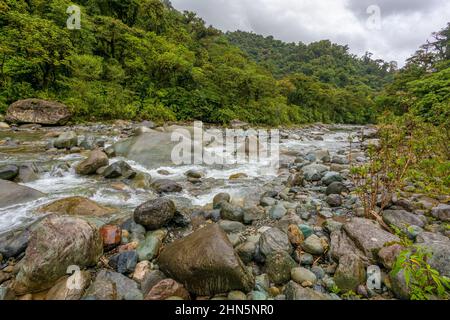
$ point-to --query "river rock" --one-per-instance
(247, 250)
(27, 173)
(6, 293)
(277, 212)
(119, 169)
(101, 289)
(14, 243)
(295, 180)
(388, 255)
(205, 263)
(219, 198)
(231, 226)
(150, 280)
(124, 262)
(313, 245)
(126, 288)
(12, 193)
(4, 126)
(9, 172)
(38, 111)
(295, 235)
(334, 200)
(439, 247)
(155, 214)
(278, 267)
(301, 275)
(55, 244)
(313, 172)
(441, 212)
(111, 236)
(274, 240)
(96, 160)
(402, 219)
(330, 177)
(148, 249)
(142, 271)
(167, 288)
(70, 288)
(350, 273)
(76, 206)
(336, 188)
(66, 140)
(166, 186)
(294, 291)
(368, 236)
(342, 245)
(231, 212)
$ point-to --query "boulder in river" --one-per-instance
(95, 161)
(155, 214)
(9, 172)
(66, 140)
(14, 243)
(55, 244)
(206, 263)
(166, 186)
(76, 206)
(119, 169)
(12, 193)
(38, 111)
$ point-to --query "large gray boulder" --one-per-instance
(12, 193)
(38, 111)
(55, 244)
(206, 263)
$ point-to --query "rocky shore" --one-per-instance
(298, 235)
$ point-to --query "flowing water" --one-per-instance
(59, 180)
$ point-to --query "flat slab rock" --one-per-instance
(206, 263)
(368, 236)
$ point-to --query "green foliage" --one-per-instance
(423, 281)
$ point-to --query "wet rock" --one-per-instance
(313, 245)
(336, 188)
(76, 206)
(196, 174)
(301, 275)
(277, 212)
(6, 293)
(148, 249)
(205, 263)
(294, 291)
(124, 262)
(13, 244)
(28, 173)
(12, 193)
(55, 244)
(38, 111)
(96, 160)
(334, 200)
(91, 143)
(8, 172)
(274, 240)
(166, 186)
(231, 212)
(101, 289)
(350, 273)
(330, 177)
(155, 214)
(441, 212)
(402, 219)
(278, 267)
(219, 198)
(119, 169)
(167, 288)
(66, 140)
(295, 180)
(70, 288)
(141, 181)
(111, 236)
(388, 255)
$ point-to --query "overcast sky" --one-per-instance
(403, 25)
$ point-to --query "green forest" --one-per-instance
(142, 59)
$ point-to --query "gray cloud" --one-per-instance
(405, 24)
